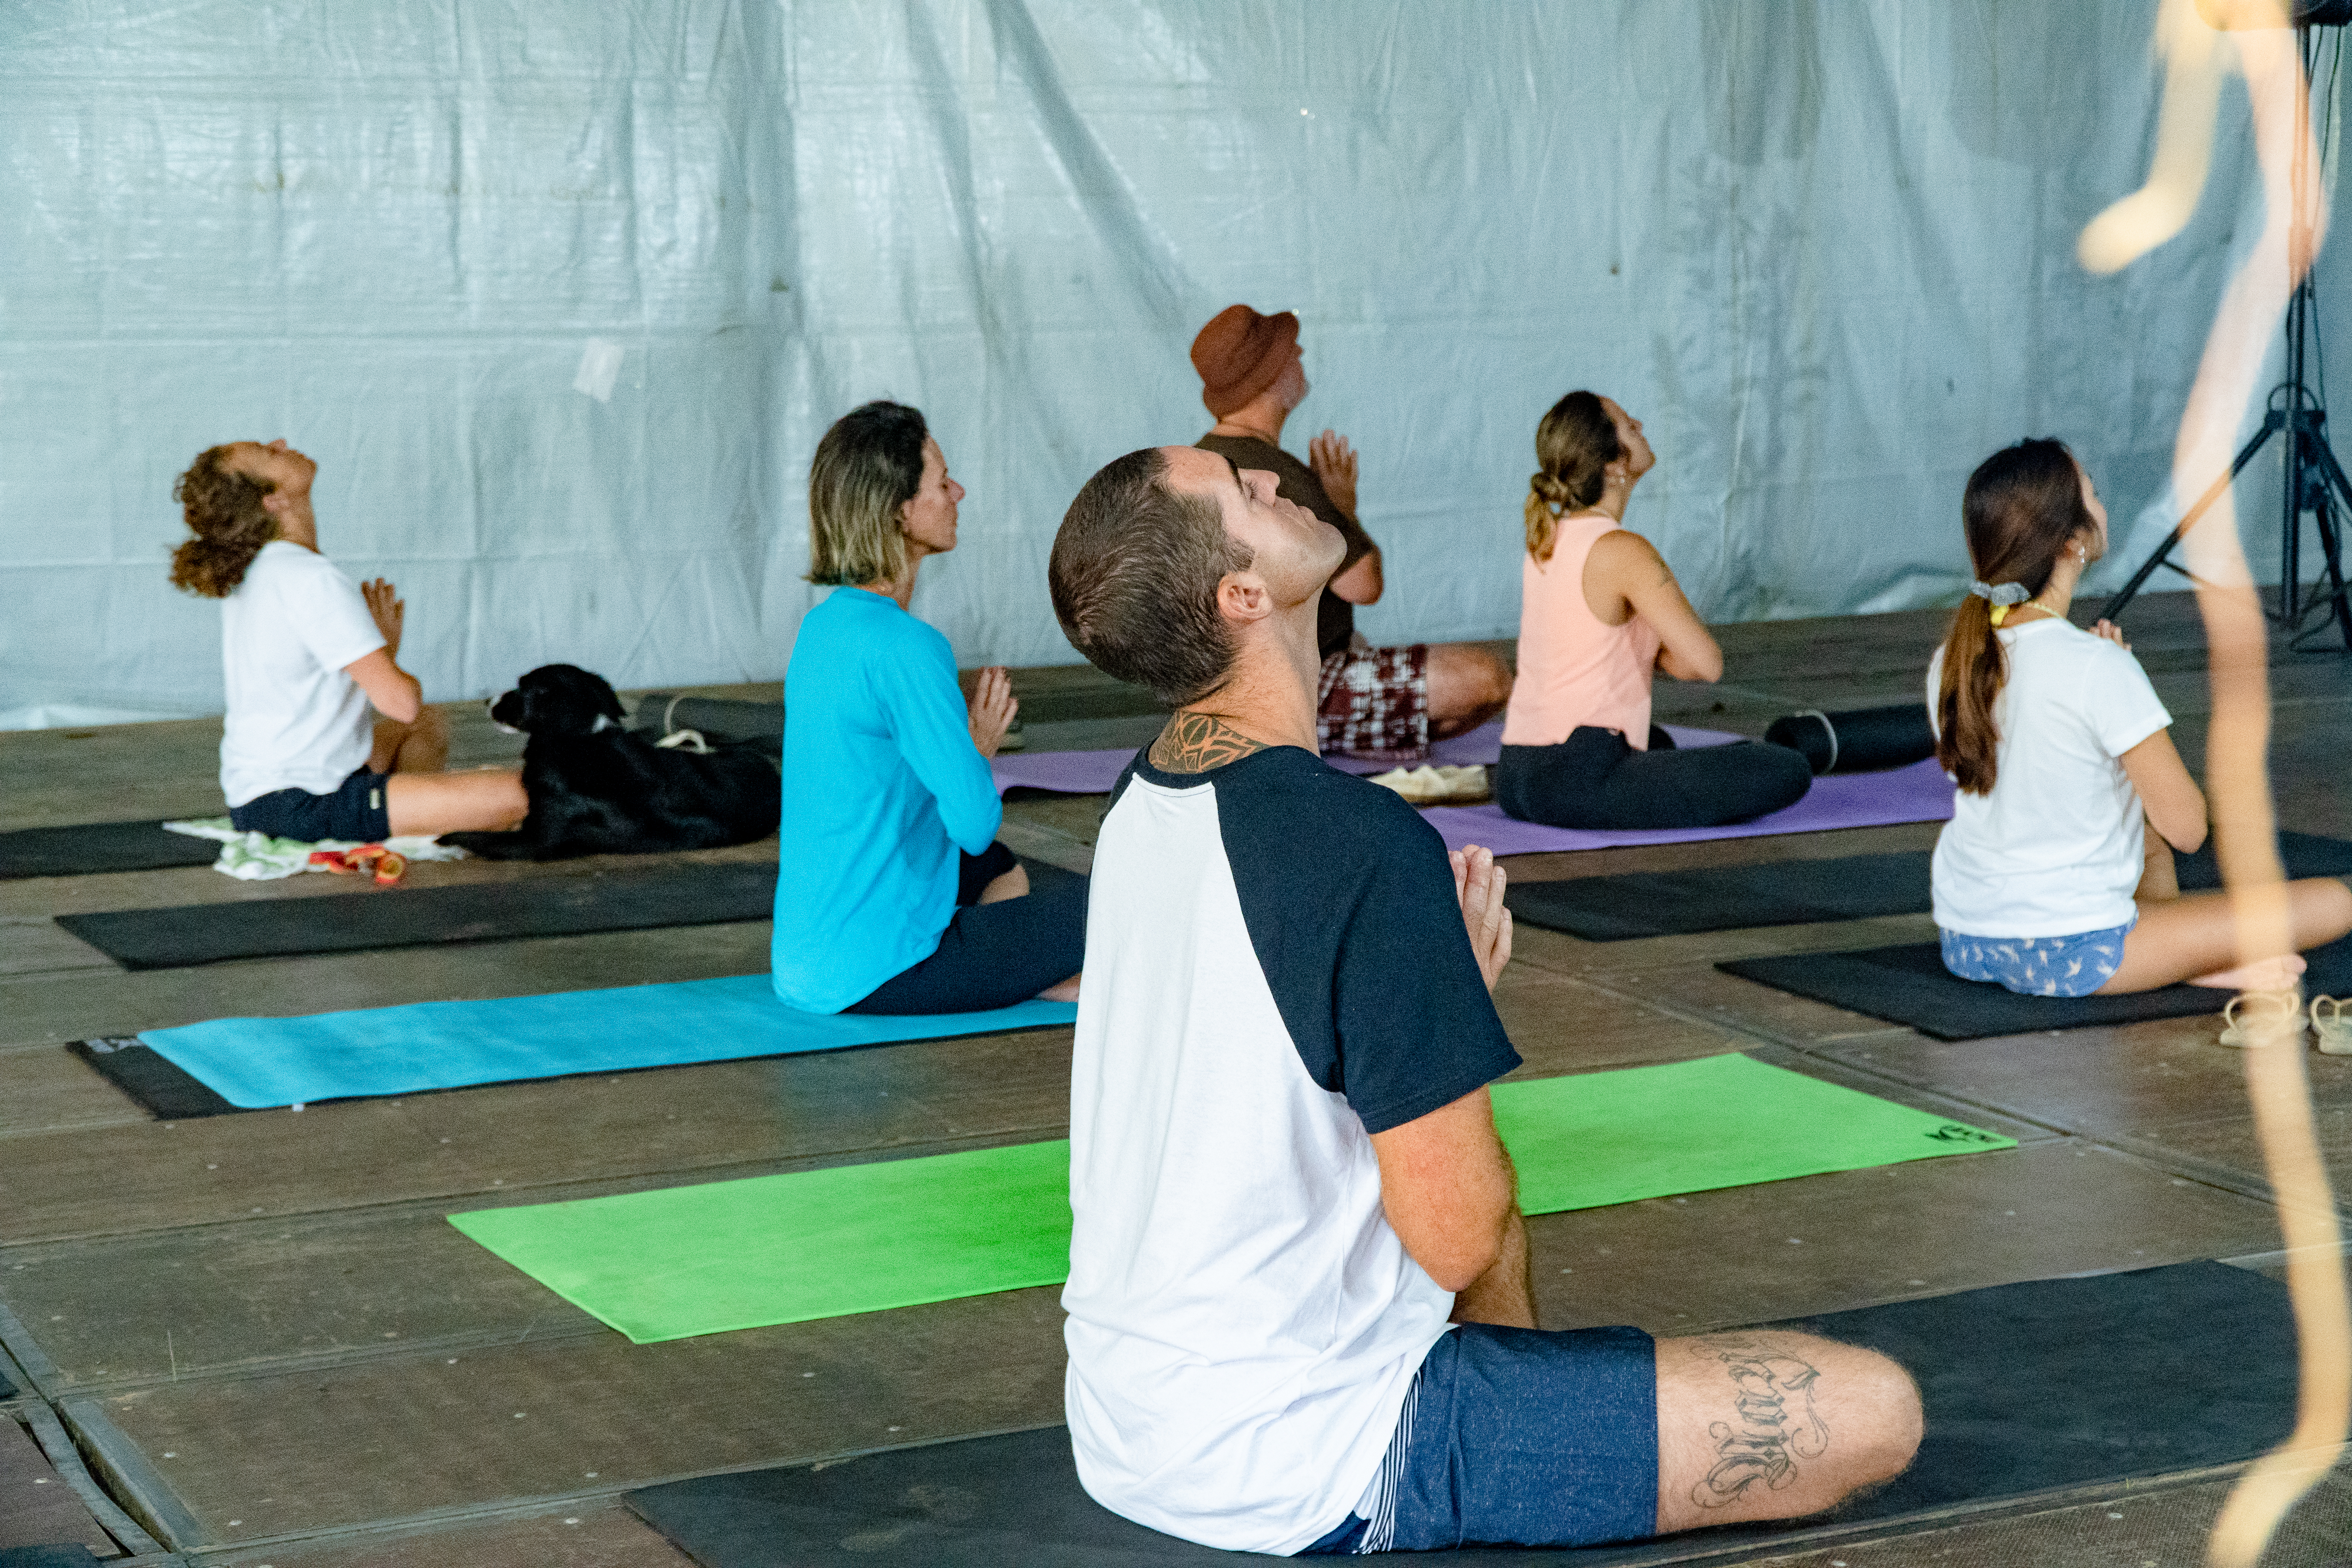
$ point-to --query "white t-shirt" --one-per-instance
(2055, 849)
(1275, 970)
(295, 720)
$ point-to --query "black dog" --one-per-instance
(597, 789)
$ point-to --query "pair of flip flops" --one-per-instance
(366, 859)
(2330, 1027)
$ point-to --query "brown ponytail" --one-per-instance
(223, 510)
(1575, 443)
(2023, 504)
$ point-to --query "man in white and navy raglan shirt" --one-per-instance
(1299, 1313)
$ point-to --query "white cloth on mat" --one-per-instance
(296, 720)
(2055, 849)
(259, 858)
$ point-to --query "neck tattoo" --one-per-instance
(1195, 742)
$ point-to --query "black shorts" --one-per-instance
(975, 872)
(991, 955)
(359, 810)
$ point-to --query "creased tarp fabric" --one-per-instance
(1825, 252)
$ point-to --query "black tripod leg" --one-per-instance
(2331, 542)
(2297, 499)
(2114, 608)
(2130, 591)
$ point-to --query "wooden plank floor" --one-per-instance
(278, 1351)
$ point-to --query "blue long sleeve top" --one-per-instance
(882, 786)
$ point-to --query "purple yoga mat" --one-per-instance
(1094, 772)
(1919, 793)
(1064, 772)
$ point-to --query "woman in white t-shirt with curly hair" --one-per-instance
(305, 653)
(2048, 879)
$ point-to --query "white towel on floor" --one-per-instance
(259, 858)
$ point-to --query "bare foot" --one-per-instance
(2262, 974)
(1068, 991)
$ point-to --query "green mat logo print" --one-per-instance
(1958, 1133)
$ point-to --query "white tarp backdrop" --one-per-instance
(1826, 251)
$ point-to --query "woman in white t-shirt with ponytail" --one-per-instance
(306, 652)
(2047, 880)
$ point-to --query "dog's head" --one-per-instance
(559, 700)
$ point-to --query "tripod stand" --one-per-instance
(2316, 481)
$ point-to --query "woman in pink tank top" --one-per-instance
(1599, 612)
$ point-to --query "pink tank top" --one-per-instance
(1575, 669)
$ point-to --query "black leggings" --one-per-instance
(1595, 780)
(991, 955)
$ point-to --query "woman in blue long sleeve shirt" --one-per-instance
(892, 895)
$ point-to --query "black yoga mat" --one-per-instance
(48, 1557)
(163, 1088)
(632, 900)
(1797, 892)
(1909, 985)
(1723, 898)
(92, 848)
(2029, 1388)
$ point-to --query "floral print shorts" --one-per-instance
(2039, 965)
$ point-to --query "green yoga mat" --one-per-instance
(862, 1239)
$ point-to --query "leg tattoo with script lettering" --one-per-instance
(1772, 1398)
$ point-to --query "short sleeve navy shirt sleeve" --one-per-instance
(1350, 907)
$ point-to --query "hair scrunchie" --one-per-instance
(2000, 597)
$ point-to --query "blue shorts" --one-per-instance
(2039, 965)
(357, 810)
(1519, 1437)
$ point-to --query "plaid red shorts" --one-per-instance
(1373, 702)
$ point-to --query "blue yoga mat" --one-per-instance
(258, 1062)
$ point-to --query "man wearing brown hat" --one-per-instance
(1385, 703)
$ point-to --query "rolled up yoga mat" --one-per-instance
(719, 1255)
(2033, 1388)
(1860, 741)
(716, 718)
